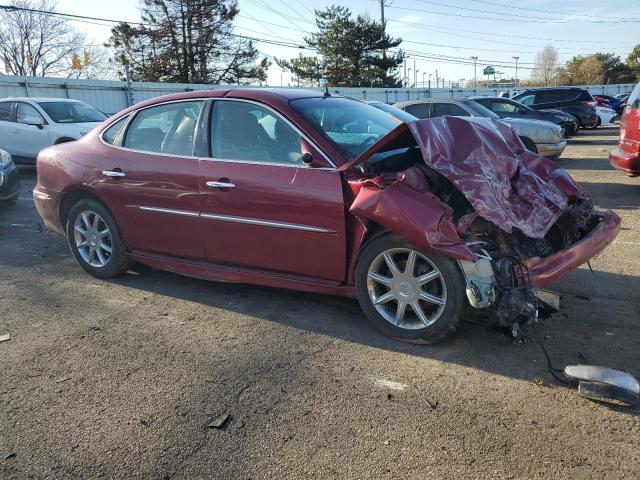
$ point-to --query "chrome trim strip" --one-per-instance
(265, 223)
(215, 184)
(170, 211)
(233, 219)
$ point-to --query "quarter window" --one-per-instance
(26, 111)
(527, 100)
(503, 107)
(247, 132)
(5, 112)
(168, 128)
(111, 133)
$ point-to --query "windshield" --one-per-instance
(351, 126)
(479, 110)
(395, 111)
(72, 112)
(634, 98)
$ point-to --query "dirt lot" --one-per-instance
(122, 378)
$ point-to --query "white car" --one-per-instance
(606, 116)
(27, 125)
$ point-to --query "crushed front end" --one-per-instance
(523, 218)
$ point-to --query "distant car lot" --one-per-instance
(122, 378)
(27, 125)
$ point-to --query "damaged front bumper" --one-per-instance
(543, 271)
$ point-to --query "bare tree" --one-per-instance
(546, 66)
(34, 42)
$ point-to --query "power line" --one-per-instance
(575, 14)
(476, 17)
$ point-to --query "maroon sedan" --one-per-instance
(296, 189)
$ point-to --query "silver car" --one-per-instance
(539, 136)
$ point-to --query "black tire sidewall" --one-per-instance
(118, 262)
(449, 321)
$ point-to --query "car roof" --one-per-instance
(433, 100)
(38, 99)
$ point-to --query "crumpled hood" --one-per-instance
(506, 184)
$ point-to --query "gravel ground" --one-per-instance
(123, 378)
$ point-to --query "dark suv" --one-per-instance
(576, 101)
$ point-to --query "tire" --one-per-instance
(447, 285)
(529, 145)
(101, 263)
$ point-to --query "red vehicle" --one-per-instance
(626, 156)
(324, 194)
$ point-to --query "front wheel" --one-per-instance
(409, 295)
(95, 241)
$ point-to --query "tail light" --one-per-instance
(591, 103)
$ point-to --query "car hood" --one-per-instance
(485, 160)
(536, 129)
(77, 129)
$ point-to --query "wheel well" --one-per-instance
(70, 199)
(64, 140)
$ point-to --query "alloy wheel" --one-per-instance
(92, 238)
(406, 288)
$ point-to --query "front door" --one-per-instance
(150, 180)
(261, 207)
(28, 140)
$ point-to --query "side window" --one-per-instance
(503, 107)
(247, 132)
(5, 112)
(168, 128)
(420, 110)
(25, 111)
(111, 133)
(526, 100)
(440, 109)
(551, 96)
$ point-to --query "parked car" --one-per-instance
(606, 116)
(9, 180)
(333, 196)
(576, 101)
(626, 156)
(538, 136)
(506, 108)
(391, 110)
(27, 125)
(609, 102)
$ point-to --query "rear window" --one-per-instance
(634, 99)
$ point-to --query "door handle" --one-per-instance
(214, 184)
(113, 173)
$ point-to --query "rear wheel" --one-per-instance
(95, 241)
(408, 294)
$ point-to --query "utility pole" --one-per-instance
(415, 73)
(516, 82)
(423, 74)
(475, 74)
(437, 80)
(404, 77)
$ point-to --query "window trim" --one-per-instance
(332, 165)
(134, 113)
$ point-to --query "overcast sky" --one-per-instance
(455, 29)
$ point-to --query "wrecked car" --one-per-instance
(419, 221)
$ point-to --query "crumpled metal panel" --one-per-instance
(403, 204)
(506, 184)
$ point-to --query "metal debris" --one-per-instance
(4, 338)
(219, 421)
(602, 383)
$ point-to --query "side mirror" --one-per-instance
(307, 159)
(33, 121)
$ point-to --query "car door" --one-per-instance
(262, 208)
(7, 126)
(149, 179)
(29, 139)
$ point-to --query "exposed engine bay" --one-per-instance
(500, 207)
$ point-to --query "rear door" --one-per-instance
(261, 207)
(150, 179)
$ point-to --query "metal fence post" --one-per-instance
(128, 87)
